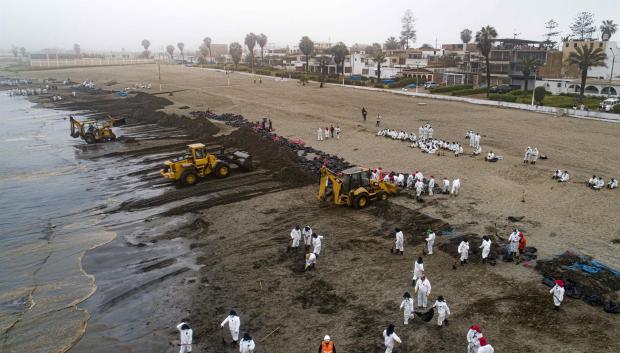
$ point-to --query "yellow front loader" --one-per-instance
(354, 188)
(95, 130)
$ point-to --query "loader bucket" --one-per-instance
(118, 122)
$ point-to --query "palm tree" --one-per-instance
(76, 49)
(340, 52)
(145, 44)
(586, 56)
(465, 37)
(608, 28)
(250, 42)
(181, 45)
(379, 58)
(235, 50)
(170, 50)
(485, 37)
(261, 39)
(207, 43)
(306, 46)
(528, 65)
(392, 43)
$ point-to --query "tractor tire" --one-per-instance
(361, 201)
(189, 178)
(382, 196)
(89, 138)
(112, 136)
(222, 170)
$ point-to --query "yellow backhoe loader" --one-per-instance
(198, 163)
(95, 130)
(354, 188)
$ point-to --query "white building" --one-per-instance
(594, 87)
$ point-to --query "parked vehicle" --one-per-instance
(501, 89)
(431, 84)
(608, 104)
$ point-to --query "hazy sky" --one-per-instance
(117, 24)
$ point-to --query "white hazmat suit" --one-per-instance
(234, 323)
(430, 240)
(423, 289)
(442, 310)
(316, 244)
(558, 295)
(399, 242)
(247, 346)
(307, 233)
(486, 248)
(296, 237)
(463, 250)
(418, 269)
(407, 305)
(186, 338)
(389, 341)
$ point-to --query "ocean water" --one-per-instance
(51, 203)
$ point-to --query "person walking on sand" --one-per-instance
(186, 337)
(418, 270)
(295, 237)
(326, 133)
(522, 243)
(319, 134)
(399, 243)
(463, 251)
(307, 233)
(317, 243)
(442, 309)
(327, 345)
(485, 347)
(378, 120)
(247, 344)
(310, 261)
(338, 132)
(423, 289)
(364, 113)
(558, 294)
(234, 323)
(430, 240)
(473, 338)
(407, 306)
(389, 336)
(486, 248)
(331, 131)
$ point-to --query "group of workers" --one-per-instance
(418, 182)
(474, 139)
(312, 244)
(424, 140)
(246, 345)
(531, 155)
(561, 176)
(328, 132)
(597, 183)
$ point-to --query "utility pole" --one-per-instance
(159, 74)
(611, 76)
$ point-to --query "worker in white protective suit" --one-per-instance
(399, 242)
(410, 181)
(307, 235)
(445, 188)
(456, 187)
(317, 242)
(419, 176)
(430, 240)
(513, 243)
(419, 187)
(423, 289)
(486, 248)
(234, 323)
(431, 185)
(442, 309)
(534, 155)
(485, 347)
(463, 251)
(400, 180)
(418, 270)
(528, 153)
(389, 337)
(613, 184)
(247, 344)
(558, 293)
(473, 338)
(310, 261)
(477, 140)
(319, 134)
(407, 306)
(295, 237)
(186, 337)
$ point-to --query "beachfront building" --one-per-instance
(594, 87)
(600, 72)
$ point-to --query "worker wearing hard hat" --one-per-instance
(327, 345)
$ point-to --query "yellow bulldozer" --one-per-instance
(353, 188)
(93, 130)
(199, 163)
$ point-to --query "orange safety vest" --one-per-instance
(327, 347)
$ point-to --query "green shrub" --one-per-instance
(539, 95)
(262, 72)
(617, 108)
(379, 85)
(520, 93)
(450, 88)
(468, 92)
(503, 98)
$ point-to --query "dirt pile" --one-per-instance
(322, 295)
(413, 224)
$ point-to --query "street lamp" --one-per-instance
(611, 76)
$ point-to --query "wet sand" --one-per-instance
(241, 260)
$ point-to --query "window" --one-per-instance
(559, 84)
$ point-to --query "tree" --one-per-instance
(250, 42)
(565, 39)
(261, 39)
(485, 37)
(539, 95)
(586, 56)
(426, 46)
(340, 52)
(608, 28)
(170, 50)
(391, 44)
(379, 58)
(181, 45)
(22, 51)
(76, 49)
(203, 52)
(206, 41)
(465, 37)
(324, 61)
(15, 51)
(407, 32)
(145, 44)
(235, 50)
(306, 46)
(583, 26)
(528, 65)
(551, 33)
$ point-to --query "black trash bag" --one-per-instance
(530, 250)
(492, 262)
(426, 316)
(548, 281)
(594, 299)
(611, 307)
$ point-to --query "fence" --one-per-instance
(53, 62)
